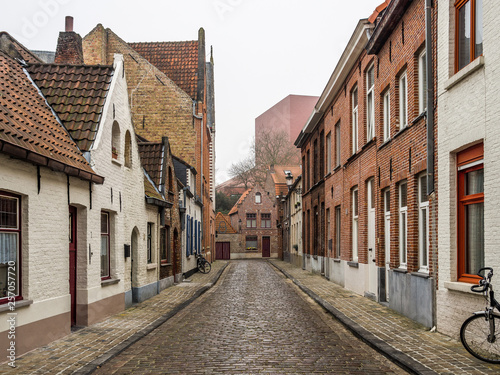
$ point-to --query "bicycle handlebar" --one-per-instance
(484, 282)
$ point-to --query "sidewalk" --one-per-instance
(82, 351)
(405, 342)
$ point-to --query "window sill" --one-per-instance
(116, 162)
(336, 260)
(166, 264)
(422, 274)
(464, 73)
(386, 142)
(402, 131)
(151, 266)
(353, 264)
(109, 282)
(18, 304)
(459, 287)
(400, 270)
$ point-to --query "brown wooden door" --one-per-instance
(223, 250)
(266, 247)
(72, 262)
(218, 250)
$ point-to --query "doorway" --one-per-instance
(223, 250)
(72, 262)
(372, 261)
(266, 247)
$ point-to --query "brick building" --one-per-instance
(254, 216)
(366, 207)
(177, 75)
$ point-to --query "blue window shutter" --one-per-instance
(199, 237)
(196, 236)
(187, 236)
(191, 243)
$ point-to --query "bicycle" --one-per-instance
(203, 265)
(480, 333)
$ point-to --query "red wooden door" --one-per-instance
(266, 247)
(72, 262)
(218, 250)
(226, 250)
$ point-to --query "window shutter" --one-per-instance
(187, 235)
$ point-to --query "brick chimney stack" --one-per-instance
(69, 46)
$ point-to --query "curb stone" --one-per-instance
(90, 367)
(398, 357)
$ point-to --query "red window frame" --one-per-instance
(106, 234)
(251, 220)
(18, 230)
(265, 220)
(459, 4)
(472, 155)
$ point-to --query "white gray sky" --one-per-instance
(264, 50)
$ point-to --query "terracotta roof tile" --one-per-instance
(26, 54)
(177, 60)
(279, 177)
(240, 201)
(151, 159)
(28, 128)
(150, 190)
(77, 93)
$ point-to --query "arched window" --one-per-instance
(128, 149)
(258, 198)
(115, 141)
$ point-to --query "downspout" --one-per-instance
(201, 177)
(430, 96)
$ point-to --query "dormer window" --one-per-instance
(258, 198)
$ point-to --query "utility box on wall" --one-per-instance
(126, 251)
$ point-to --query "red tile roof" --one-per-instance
(28, 128)
(77, 94)
(240, 201)
(151, 158)
(223, 224)
(279, 177)
(378, 10)
(7, 42)
(177, 60)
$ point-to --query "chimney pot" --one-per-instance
(69, 23)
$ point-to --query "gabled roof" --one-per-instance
(240, 201)
(151, 154)
(10, 45)
(77, 94)
(223, 224)
(177, 60)
(29, 129)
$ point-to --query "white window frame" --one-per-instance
(370, 104)
(387, 115)
(422, 82)
(258, 198)
(354, 99)
(423, 224)
(337, 144)
(355, 224)
(338, 221)
(328, 153)
(387, 223)
(403, 100)
(403, 226)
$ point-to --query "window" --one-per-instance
(337, 144)
(115, 141)
(423, 223)
(169, 247)
(251, 220)
(105, 246)
(403, 224)
(328, 152)
(150, 243)
(315, 161)
(10, 243)
(370, 105)
(170, 180)
(163, 245)
(321, 170)
(468, 31)
(354, 99)
(387, 115)
(470, 213)
(128, 150)
(308, 171)
(258, 198)
(403, 101)
(337, 233)
(422, 83)
(265, 220)
(387, 225)
(328, 232)
(355, 214)
(251, 243)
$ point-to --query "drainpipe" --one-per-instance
(201, 176)
(430, 96)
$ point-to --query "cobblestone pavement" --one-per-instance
(84, 349)
(253, 321)
(401, 338)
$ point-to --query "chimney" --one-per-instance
(69, 46)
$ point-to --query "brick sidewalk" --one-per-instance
(406, 342)
(84, 350)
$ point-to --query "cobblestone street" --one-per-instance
(253, 321)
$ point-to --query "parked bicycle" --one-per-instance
(204, 265)
(480, 333)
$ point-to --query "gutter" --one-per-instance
(430, 96)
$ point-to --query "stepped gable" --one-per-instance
(77, 94)
(29, 130)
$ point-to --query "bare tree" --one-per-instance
(243, 171)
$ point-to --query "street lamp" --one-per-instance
(289, 180)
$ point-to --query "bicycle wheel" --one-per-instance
(476, 338)
(205, 267)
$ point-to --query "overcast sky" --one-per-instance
(264, 50)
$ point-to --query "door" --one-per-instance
(387, 237)
(218, 250)
(266, 247)
(72, 262)
(134, 264)
(372, 265)
(223, 250)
